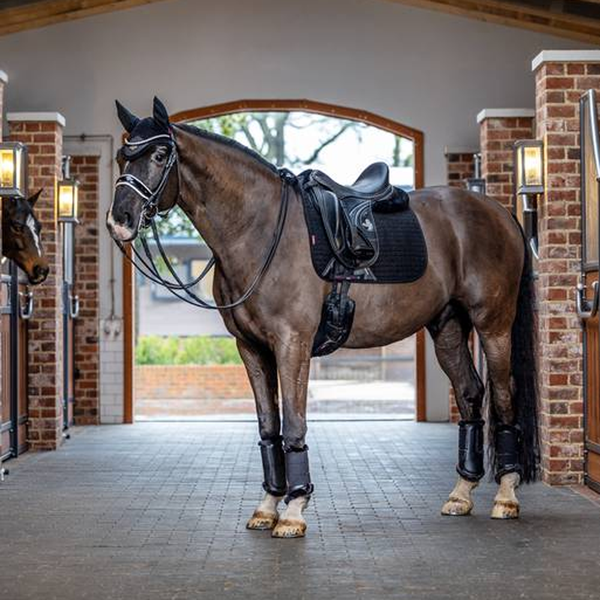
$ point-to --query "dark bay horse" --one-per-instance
(21, 240)
(478, 276)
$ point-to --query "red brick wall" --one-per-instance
(497, 137)
(191, 381)
(87, 345)
(44, 140)
(558, 89)
(460, 167)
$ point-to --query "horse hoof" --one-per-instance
(505, 510)
(261, 521)
(287, 528)
(457, 507)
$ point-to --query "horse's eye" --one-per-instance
(160, 157)
(17, 227)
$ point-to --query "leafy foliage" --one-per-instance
(194, 350)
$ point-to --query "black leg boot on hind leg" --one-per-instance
(470, 468)
(470, 450)
(274, 484)
(299, 489)
(509, 471)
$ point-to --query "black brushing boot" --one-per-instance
(273, 462)
(297, 471)
(508, 450)
(470, 450)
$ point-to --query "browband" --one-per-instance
(134, 149)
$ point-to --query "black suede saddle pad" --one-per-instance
(402, 247)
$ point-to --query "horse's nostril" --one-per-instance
(128, 219)
(39, 271)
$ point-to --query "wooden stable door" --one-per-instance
(6, 415)
(15, 310)
(588, 288)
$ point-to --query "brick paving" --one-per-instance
(157, 511)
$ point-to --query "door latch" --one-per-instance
(586, 309)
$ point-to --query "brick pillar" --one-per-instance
(561, 78)
(498, 130)
(3, 82)
(42, 132)
(460, 165)
(87, 345)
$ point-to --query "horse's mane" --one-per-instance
(221, 139)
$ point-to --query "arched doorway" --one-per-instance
(283, 106)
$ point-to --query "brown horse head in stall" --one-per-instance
(271, 299)
(21, 237)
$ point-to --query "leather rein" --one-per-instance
(146, 264)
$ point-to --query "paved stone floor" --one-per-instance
(157, 511)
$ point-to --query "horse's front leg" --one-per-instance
(262, 372)
(293, 362)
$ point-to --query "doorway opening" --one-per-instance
(185, 363)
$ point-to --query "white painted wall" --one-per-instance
(428, 70)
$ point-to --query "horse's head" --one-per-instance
(148, 163)
(21, 237)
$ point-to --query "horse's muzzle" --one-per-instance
(38, 275)
(119, 232)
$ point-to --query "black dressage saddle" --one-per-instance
(347, 212)
(353, 240)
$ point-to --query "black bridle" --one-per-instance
(150, 199)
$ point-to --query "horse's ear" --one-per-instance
(128, 120)
(33, 199)
(160, 114)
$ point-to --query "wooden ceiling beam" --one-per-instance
(41, 13)
(517, 15)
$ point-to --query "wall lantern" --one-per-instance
(476, 183)
(529, 185)
(13, 170)
(68, 195)
(529, 161)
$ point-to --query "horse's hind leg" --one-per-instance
(450, 333)
(497, 347)
(262, 372)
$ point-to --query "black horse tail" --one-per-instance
(524, 371)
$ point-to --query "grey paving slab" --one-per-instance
(157, 511)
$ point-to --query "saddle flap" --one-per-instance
(362, 234)
(331, 214)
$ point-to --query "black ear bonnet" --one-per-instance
(150, 132)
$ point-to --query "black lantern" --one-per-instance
(13, 170)
(529, 164)
(529, 185)
(477, 185)
(67, 194)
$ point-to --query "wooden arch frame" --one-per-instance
(322, 108)
(310, 106)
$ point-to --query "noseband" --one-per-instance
(150, 199)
